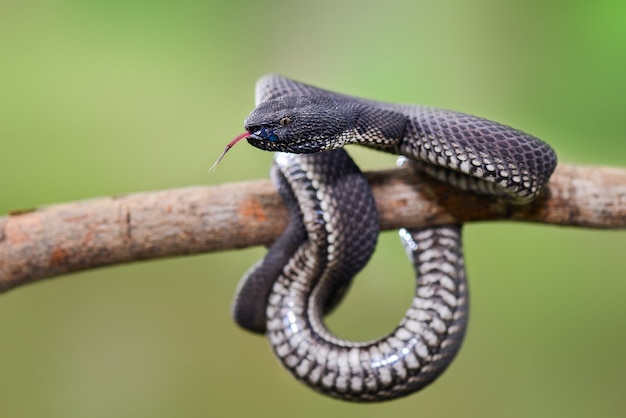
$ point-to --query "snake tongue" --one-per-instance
(228, 147)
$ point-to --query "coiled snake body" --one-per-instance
(334, 228)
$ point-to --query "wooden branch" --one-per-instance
(76, 236)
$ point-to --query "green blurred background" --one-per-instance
(108, 97)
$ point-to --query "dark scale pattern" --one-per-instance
(514, 162)
(340, 218)
(334, 227)
(470, 152)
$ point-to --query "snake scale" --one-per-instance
(333, 231)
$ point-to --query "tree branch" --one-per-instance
(76, 236)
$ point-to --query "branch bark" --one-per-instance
(76, 236)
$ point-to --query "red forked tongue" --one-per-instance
(229, 146)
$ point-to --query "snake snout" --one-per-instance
(263, 137)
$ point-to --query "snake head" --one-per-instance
(300, 124)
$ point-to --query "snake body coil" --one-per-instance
(334, 227)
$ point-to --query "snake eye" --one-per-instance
(284, 121)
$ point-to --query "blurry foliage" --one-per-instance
(109, 97)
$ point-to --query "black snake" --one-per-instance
(334, 228)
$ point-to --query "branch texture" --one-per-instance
(76, 236)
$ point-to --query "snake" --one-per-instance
(333, 229)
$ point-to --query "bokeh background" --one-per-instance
(107, 97)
